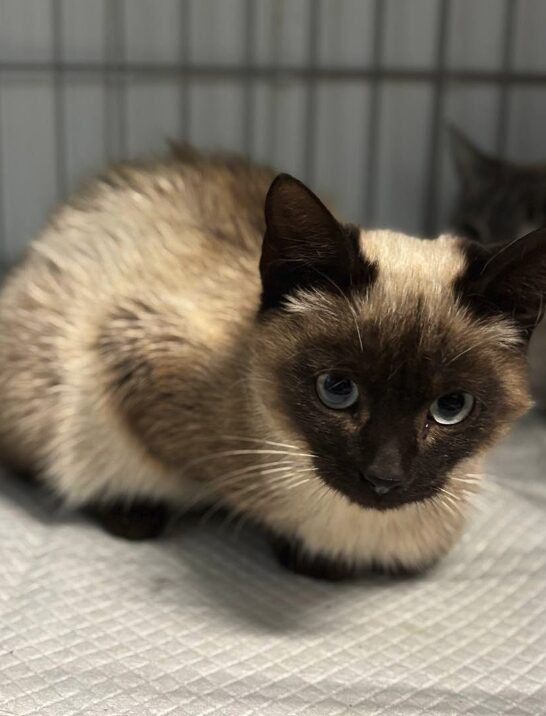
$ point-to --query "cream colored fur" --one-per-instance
(177, 237)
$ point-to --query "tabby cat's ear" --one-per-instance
(305, 246)
(472, 165)
(508, 279)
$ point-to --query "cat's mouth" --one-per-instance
(377, 495)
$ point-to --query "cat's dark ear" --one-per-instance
(471, 164)
(305, 246)
(508, 279)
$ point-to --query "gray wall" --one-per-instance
(351, 95)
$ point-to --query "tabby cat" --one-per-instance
(500, 201)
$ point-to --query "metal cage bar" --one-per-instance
(59, 99)
(310, 129)
(157, 70)
(3, 243)
(507, 56)
(434, 168)
(276, 30)
(116, 120)
(184, 98)
(115, 71)
(375, 112)
(249, 93)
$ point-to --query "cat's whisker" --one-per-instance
(464, 480)
(448, 506)
(255, 467)
(244, 486)
(285, 480)
(460, 498)
(237, 453)
(231, 513)
(446, 497)
(463, 486)
(247, 472)
(292, 486)
(237, 477)
(462, 353)
(447, 493)
(210, 512)
(250, 499)
(243, 438)
(444, 502)
(465, 491)
(249, 503)
(245, 379)
(260, 441)
(243, 519)
(257, 470)
(243, 511)
(241, 488)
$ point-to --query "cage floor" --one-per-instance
(203, 622)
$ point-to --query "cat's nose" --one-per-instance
(381, 485)
(384, 472)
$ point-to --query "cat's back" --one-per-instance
(156, 248)
(166, 226)
(146, 215)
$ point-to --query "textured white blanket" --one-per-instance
(204, 622)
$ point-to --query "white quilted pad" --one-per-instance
(204, 622)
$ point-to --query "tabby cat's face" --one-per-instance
(497, 201)
(393, 360)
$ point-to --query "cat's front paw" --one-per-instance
(292, 555)
(137, 520)
(397, 570)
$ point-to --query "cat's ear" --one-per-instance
(508, 279)
(471, 164)
(305, 246)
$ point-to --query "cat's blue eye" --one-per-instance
(452, 408)
(336, 390)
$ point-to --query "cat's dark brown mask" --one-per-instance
(403, 322)
(497, 200)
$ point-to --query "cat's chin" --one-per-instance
(367, 499)
(382, 503)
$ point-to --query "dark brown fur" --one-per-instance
(497, 200)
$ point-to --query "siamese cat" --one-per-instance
(499, 200)
(168, 342)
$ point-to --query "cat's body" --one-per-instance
(131, 285)
(499, 200)
(141, 358)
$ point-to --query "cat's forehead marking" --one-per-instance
(407, 271)
(413, 291)
(415, 278)
(406, 263)
(415, 288)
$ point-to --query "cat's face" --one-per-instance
(393, 360)
(496, 200)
